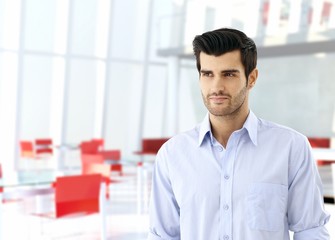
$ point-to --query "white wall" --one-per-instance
(298, 92)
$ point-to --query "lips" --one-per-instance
(218, 99)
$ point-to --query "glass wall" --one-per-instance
(75, 70)
(35, 99)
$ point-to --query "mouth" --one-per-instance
(218, 99)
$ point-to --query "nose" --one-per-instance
(217, 84)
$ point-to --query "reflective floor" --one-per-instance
(124, 220)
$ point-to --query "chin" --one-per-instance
(219, 113)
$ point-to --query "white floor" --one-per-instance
(124, 222)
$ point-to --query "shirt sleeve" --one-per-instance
(164, 210)
(306, 214)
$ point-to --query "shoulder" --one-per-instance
(181, 141)
(187, 137)
(286, 143)
(265, 126)
(280, 133)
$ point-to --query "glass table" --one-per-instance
(23, 184)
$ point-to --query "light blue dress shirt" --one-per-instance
(262, 185)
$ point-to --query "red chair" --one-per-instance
(102, 169)
(151, 145)
(94, 163)
(43, 147)
(100, 142)
(87, 159)
(99, 168)
(36, 154)
(27, 149)
(112, 156)
(89, 147)
(318, 142)
(77, 195)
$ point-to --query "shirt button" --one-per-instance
(226, 177)
(225, 237)
(220, 149)
(225, 207)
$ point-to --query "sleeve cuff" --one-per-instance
(318, 233)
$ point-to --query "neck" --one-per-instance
(224, 126)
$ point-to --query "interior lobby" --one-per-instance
(121, 74)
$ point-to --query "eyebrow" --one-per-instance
(206, 71)
(223, 71)
(230, 71)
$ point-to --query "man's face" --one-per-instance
(223, 83)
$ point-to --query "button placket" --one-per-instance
(226, 192)
(227, 186)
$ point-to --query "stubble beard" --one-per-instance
(234, 105)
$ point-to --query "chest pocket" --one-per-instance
(266, 206)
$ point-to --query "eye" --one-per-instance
(229, 74)
(206, 74)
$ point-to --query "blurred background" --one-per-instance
(123, 70)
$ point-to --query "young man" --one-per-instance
(235, 176)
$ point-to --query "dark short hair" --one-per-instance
(225, 40)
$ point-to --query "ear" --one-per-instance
(252, 78)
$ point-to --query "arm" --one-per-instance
(164, 210)
(306, 214)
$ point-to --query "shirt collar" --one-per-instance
(250, 125)
(205, 127)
